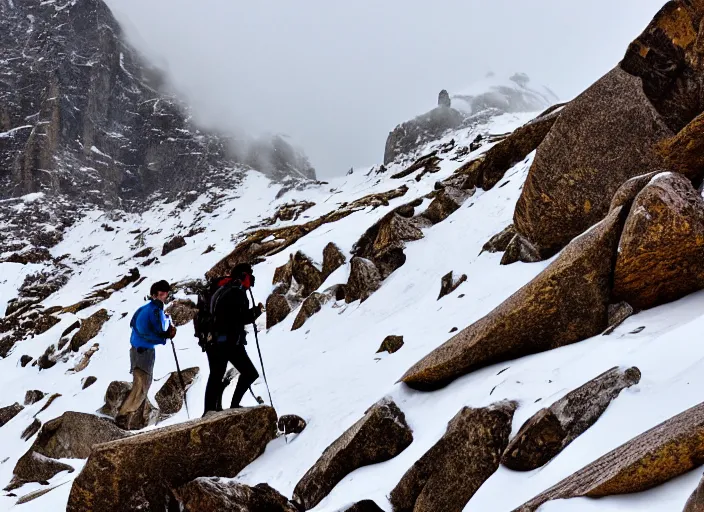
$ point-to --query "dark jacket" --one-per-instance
(231, 312)
(149, 325)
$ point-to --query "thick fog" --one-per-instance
(338, 76)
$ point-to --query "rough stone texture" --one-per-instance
(601, 139)
(428, 163)
(449, 285)
(291, 424)
(214, 495)
(171, 395)
(446, 202)
(115, 396)
(221, 444)
(363, 281)
(144, 416)
(379, 436)
(662, 453)
(277, 309)
(499, 242)
(48, 403)
(283, 276)
(182, 311)
(25, 360)
(33, 396)
(364, 506)
(449, 474)
(550, 430)
(175, 243)
(391, 344)
(444, 99)
(618, 313)
(89, 381)
(9, 412)
(310, 306)
(661, 253)
(684, 153)
(83, 363)
(332, 259)
(90, 327)
(36, 494)
(520, 249)
(36, 468)
(32, 429)
(695, 503)
(567, 302)
(627, 192)
(306, 274)
(70, 436)
(288, 212)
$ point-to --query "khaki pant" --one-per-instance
(141, 382)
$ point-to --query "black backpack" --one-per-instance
(203, 322)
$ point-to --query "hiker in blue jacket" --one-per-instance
(150, 327)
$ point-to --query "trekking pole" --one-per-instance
(180, 377)
(261, 361)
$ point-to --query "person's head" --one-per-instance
(160, 290)
(244, 273)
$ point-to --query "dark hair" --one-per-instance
(159, 286)
(239, 270)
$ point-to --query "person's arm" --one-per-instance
(156, 333)
(246, 314)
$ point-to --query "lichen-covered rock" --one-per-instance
(550, 430)
(283, 276)
(332, 259)
(567, 302)
(448, 284)
(182, 311)
(684, 153)
(175, 243)
(90, 327)
(171, 396)
(618, 313)
(83, 363)
(661, 253)
(646, 461)
(520, 249)
(449, 474)
(277, 309)
(115, 396)
(363, 281)
(33, 396)
(221, 444)
(145, 415)
(446, 202)
(36, 468)
(32, 429)
(695, 503)
(215, 495)
(310, 306)
(499, 242)
(306, 274)
(291, 424)
(601, 139)
(391, 344)
(9, 412)
(379, 436)
(627, 192)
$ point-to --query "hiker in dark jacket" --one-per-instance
(230, 314)
(150, 327)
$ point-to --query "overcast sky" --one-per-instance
(338, 76)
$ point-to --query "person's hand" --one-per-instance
(261, 307)
(171, 333)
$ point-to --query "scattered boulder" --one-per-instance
(48, 359)
(283, 276)
(567, 302)
(90, 327)
(646, 461)
(379, 436)
(364, 506)
(33, 255)
(215, 495)
(33, 396)
(175, 243)
(601, 139)
(661, 253)
(277, 309)
(310, 306)
(446, 202)
(520, 249)
(32, 429)
(83, 364)
(171, 396)
(144, 253)
(115, 396)
(291, 424)
(221, 444)
(75, 325)
(550, 430)
(391, 344)
(449, 285)
(499, 242)
(182, 311)
(449, 474)
(306, 274)
(48, 403)
(89, 381)
(25, 360)
(9, 412)
(363, 281)
(332, 259)
(618, 313)
(70, 436)
(695, 503)
(627, 192)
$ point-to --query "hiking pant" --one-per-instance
(141, 381)
(219, 354)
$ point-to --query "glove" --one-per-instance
(171, 333)
(260, 310)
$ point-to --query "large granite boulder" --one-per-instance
(313, 304)
(363, 281)
(277, 309)
(171, 396)
(221, 444)
(661, 253)
(215, 495)
(447, 201)
(550, 430)
(449, 474)
(662, 453)
(90, 327)
(566, 303)
(306, 274)
(379, 436)
(332, 259)
(9, 412)
(601, 139)
(175, 243)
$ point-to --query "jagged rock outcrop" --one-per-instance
(684, 153)
(283, 277)
(182, 311)
(391, 344)
(499, 242)
(332, 259)
(601, 139)
(379, 436)
(277, 309)
(70, 436)
(32, 429)
(661, 253)
(9, 412)
(215, 495)
(618, 313)
(695, 503)
(448, 284)
(83, 363)
(306, 274)
(90, 327)
(291, 424)
(175, 243)
(89, 381)
(171, 396)
(550, 430)
(565, 303)
(520, 249)
(33, 396)
(444, 99)
(310, 306)
(363, 281)
(446, 202)
(646, 461)
(221, 444)
(447, 476)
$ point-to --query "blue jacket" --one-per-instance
(149, 325)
